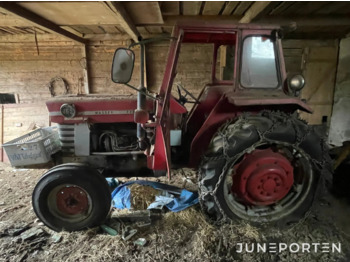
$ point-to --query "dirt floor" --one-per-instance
(182, 236)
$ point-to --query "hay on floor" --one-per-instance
(142, 196)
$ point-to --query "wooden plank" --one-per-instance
(84, 63)
(213, 7)
(312, 7)
(280, 8)
(124, 19)
(144, 13)
(154, 29)
(39, 21)
(171, 20)
(3, 32)
(9, 50)
(33, 56)
(242, 7)
(272, 6)
(332, 7)
(319, 72)
(121, 29)
(170, 8)
(96, 29)
(292, 52)
(294, 9)
(2, 132)
(301, 21)
(7, 19)
(191, 7)
(342, 10)
(72, 13)
(24, 30)
(143, 30)
(293, 64)
(322, 54)
(22, 39)
(254, 10)
(110, 29)
(167, 29)
(21, 66)
(293, 43)
(83, 30)
(72, 30)
(7, 30)
(230, 7)
(320, 111)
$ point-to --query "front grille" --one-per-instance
(66, 134)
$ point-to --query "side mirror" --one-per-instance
(123, 65)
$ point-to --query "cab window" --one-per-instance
(259, 68)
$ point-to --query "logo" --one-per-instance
(291, 247)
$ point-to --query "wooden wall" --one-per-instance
(100, 56)
(26, 72)
(316, 60)
(193, 69)
(339, 131)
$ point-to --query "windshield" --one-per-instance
(259, 68)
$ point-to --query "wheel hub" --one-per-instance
(72, 200)
(262, 177)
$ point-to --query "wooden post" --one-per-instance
(86, 70)
(2, 133)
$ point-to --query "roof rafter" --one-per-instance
(312, 21)
(253, 11)
(171, 20)
(125, 21)
(40, 21)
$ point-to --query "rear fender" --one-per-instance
(227, 109)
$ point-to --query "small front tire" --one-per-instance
(71, 198)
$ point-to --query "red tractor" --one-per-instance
(256, 160)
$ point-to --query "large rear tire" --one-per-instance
(71, 197)
(262, 168)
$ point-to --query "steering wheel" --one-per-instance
(183, 99)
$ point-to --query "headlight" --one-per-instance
(296, 83)
(68, 110)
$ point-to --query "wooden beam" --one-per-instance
(72, 30)
(316, 21)
(39, 21)
(254, 11)
(107, 37)
(125, 21)
(171, 20)
(86, 70)
(230, 7)
(213, 7)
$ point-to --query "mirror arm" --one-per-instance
(138, 90)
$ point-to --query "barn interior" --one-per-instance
(56, 48)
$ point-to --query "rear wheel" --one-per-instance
(263, 168)
(71, 197)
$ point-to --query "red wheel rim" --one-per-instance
(262, 178)
(72, 200)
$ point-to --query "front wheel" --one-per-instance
(263, 168)
(71, 197)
